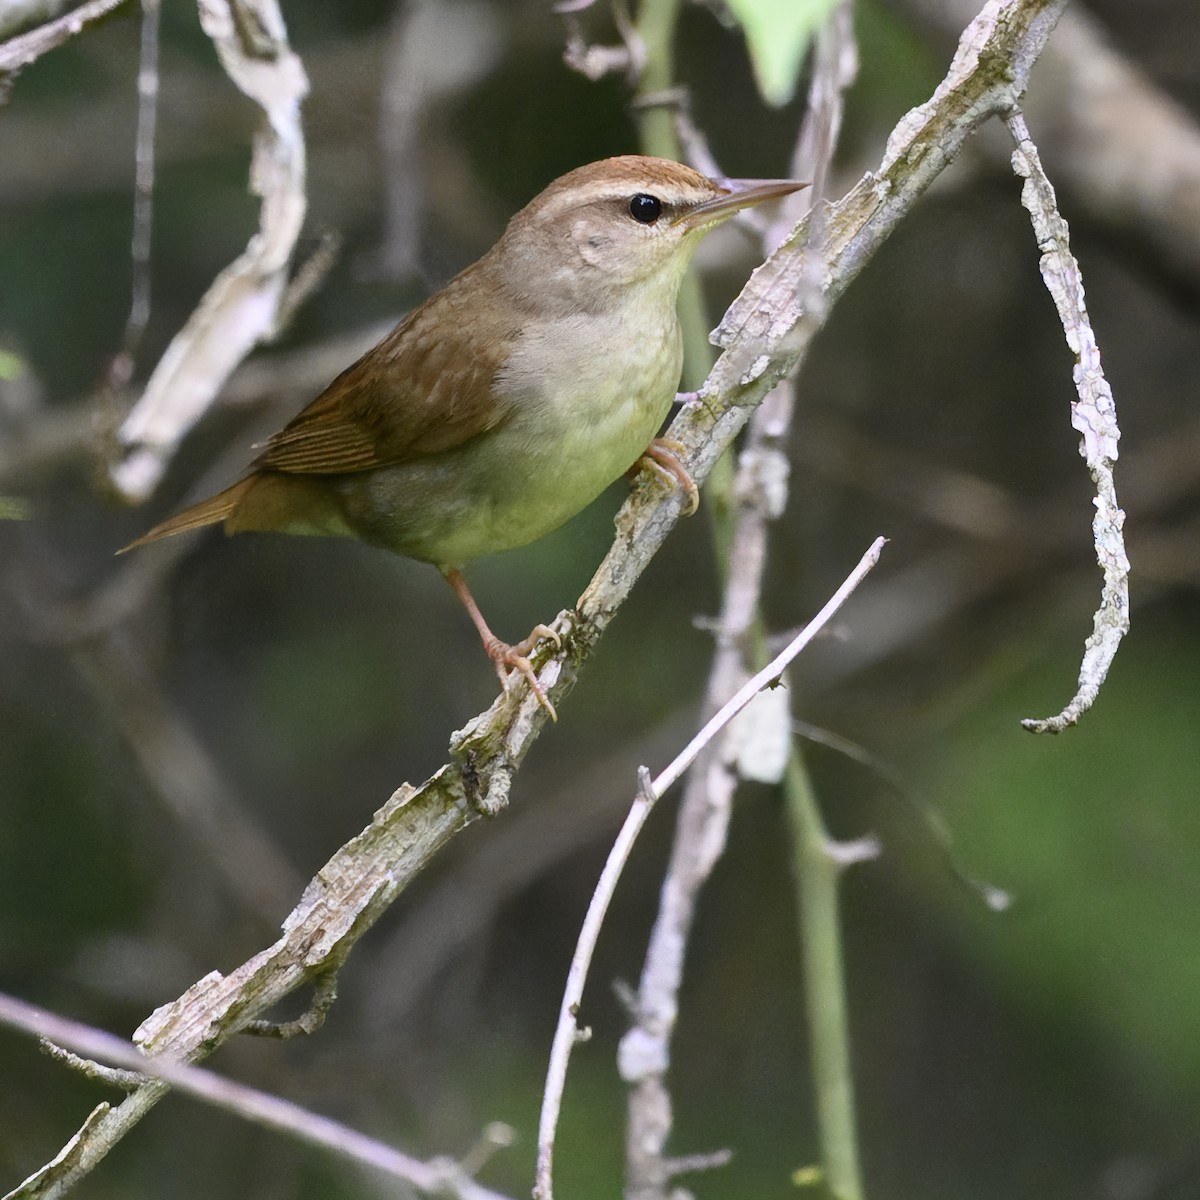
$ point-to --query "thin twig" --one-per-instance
(567, 1031)
(19, 52)
(437, 1178)
(325, 992)
(143, 197)
(932, 821)
(121, 1078)
(1093, 414)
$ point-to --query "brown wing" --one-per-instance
(426, 388)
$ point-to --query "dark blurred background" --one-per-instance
(287, 685)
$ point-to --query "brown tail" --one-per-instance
(207, 512)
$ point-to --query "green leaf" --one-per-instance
(777, 35)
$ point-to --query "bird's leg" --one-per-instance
(505, 657)
(662, 457)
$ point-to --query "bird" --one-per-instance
(511, 398)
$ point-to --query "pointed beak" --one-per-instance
(738, 194)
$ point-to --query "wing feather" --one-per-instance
(426, 388)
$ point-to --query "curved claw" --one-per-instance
(662, 457)
(539, 631)
(512, 660)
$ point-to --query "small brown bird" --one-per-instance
(512, 398)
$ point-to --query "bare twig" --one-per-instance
(1094, 414)
(932, 821)
(567, 1031)
(241, 307)
(324, 997)
(121, 1078)
(19, 52)
(437, 1178)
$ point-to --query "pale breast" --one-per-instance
(592, 392)
(584, 400)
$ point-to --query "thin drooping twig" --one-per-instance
(437, 1178)
(241, 307)
(1093, 414)
(567, 1031)
(764, 338)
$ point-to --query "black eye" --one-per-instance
(644, 208)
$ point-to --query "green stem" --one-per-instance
(656, 23)
(818, 874)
